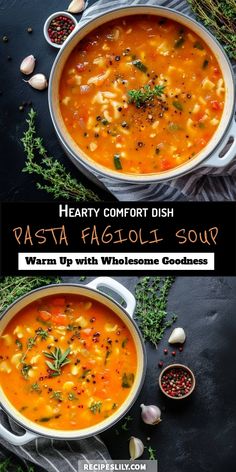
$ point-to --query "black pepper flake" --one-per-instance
(117, 58)
(5, 39)
(98, 118)
(119, 108)
(140, 144)
(189, 95)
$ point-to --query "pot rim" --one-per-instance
(178, 171)
(51, 432)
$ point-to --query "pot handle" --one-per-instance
(216, 160)
(117, 288)
(14, 439)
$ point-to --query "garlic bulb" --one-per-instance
(28, 64)
(136, 448)
(177, 336)
(38, 82)
(76, 6)
(150, 414)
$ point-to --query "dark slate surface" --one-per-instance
(15, 17)
(197, 435)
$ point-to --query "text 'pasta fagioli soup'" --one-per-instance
(67, 362)
(141, 95)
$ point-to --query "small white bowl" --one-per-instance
(48, 21)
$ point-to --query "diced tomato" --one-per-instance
(44, 315)
(60, 319)
(215, 105)
(59, 301)
(199, 115)
(56, 310)
(165, 164)
(80, 67)
(216, 70)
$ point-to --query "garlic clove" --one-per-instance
(28, 64)
(38, 82)
(150, 414)
(177, 336)
(76, 6)
(136, 448)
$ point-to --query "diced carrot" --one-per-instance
(60, 319)
(165, 164)
(215, 105)
(59, 301)
(44, 315)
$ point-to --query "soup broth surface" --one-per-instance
(67, 362)
(141, 94)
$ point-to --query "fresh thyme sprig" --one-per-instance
(145, 95)
(151, 309)
(60, 359)
(219, 16)
(12, 288)
(56, 180)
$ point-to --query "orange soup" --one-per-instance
(67, 362)
(141, 95)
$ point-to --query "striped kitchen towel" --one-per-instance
(51, 455)
(206, 184)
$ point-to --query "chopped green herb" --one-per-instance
(117, 162)
(85, 373)
(108, 353)
(174, 127)
(125, 426)
(201, 125)
(198, 45)
(151, 294)
(179, 42)
(42, 334)
(145, 95)
(124, 342)
(151, 453)
(205, 64)
(45, 419)
(177, 105)
(71, 396)
(60, 360)
(127, 380)
(57, 395)
(19, 344)
(139, 65)
(25, 370)
(114, 406)
(31, 342)
(35, 387)
(104, 122)
(95, 407)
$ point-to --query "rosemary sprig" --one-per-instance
(151, 309)
(145, 95)
(219, 16)
(60, 359)
(56, 180)
(13, 287)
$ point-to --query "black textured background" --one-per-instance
(15, 17)
(198, 434)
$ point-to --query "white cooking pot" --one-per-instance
(91, 290)
(209, 156)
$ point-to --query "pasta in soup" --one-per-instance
(67, 362)
(141, 94)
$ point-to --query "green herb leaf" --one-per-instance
(139, 65)
(151, 294)
(198, 45)
(19, 344)
(25, 370)
(127, 380)
(95, 407)
(36, 388)
(42, 334)
(56, 180)
(31, 342)
(60, 359)
(151, 453)
(117, 162)
(145, 95)
(177, 105)
(179, 42)
(124, 342)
